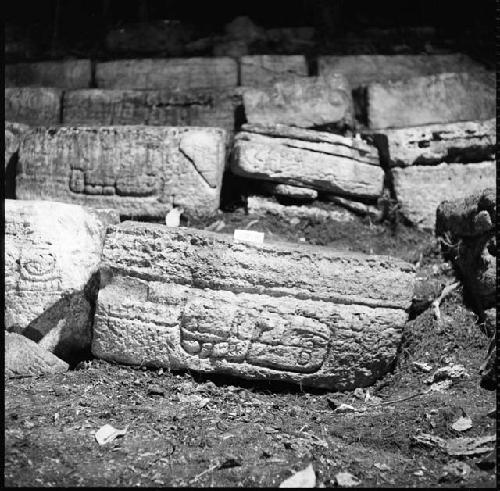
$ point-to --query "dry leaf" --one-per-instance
(302, 479)
(107, 434)
(463, 423)
(347, 480)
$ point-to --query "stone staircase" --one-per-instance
(142, 136)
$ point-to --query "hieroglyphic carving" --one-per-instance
(137, 170)
(51, 251)
(188, 299)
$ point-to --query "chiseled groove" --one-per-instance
(335, 299)
(193, 163)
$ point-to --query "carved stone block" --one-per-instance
(189, 299)
(52, 251)
(304, 102)
(168, 74)
(25, 358)
(264, 70)
(323, 161)
(150, 107)
(465, 141)
(35, 106)
(420, 189)
(137, 170)
(361, 70)
(442, 98)
(67, 74)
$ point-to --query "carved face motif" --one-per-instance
(38, 269)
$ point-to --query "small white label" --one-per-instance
(249, 236)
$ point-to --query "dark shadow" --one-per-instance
(10, 176)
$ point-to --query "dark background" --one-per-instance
(469, 24)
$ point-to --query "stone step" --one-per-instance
(345, 166)
(420, 189)
(362, 70)
(467, 141)
(179, 74)
(265, 70)
(52, 251)
(189, 299)
(67, 74)
(137, 170)
(34, 106)
(443, 98)
(303, 102)
(151, 107)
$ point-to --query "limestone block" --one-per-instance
(67, 74)
(35, 106)
(169, 74)
(137, 170)
(303, 102)
(13, 135)
(52, 251)
(468, 226)
(25, 358)
(361, 70)
(420, 189)
(468, 141)
(261, 205)
(264, 70)
(345, 166)
(287, 191)
(150, 107)
(443, 98)
(189, 299)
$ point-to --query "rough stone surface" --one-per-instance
(468, 141)
(468, 226)
(137, 170)
(67, 74)
(442, 98)
(361, 209)
(25, 358)
(361, 70)
(52, 251)
(188, 299)
(287, 191)
(302, 102)
(346, 166)
(264, 70)
(35, 106)
(13, 135)
(260, 205)
(150, 107)
(168, 74)
(420, 189)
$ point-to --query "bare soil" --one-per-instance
(184, 429)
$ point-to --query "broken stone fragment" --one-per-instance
(33, 106)
(137, 170)
(260, 205)
(67, 74)
(264, 70)
(52, 252)
(168, 74)
(342, 165)
(470, 216)
(420, 189)
(151, 107)
(362, 70)
(288, 191)
(13, 135)
(443, 98)
(25, 358)
(303, 102)
(465, 141)
(361, 209)
(189, 299)
(468, 226)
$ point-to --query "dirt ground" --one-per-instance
(184, 429)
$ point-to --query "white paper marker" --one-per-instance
(249, 236)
